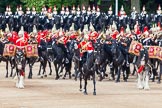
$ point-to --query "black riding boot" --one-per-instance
(127, 62)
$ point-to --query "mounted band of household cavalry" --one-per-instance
(86, 38)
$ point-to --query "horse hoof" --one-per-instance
(147, 88)
(117, 81)
(85, 93)
(29, 77)
(50, 74)
(10, 75)
(56, 78)
(140, 87)
(80, 90)
(6, 76)
(41, 77)
(106, 75)
(125, 80)
(45, 75)
(73, 75)
(70, 77)
(63, 78)
(158, 82)
(94, 93)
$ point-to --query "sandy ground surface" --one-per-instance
(50, 93)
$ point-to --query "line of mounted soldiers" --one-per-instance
(80, 24)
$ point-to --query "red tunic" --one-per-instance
(22, 41)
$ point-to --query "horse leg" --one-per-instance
(127, 72)
(7, 69)
(139, 82)
(12, 67)
(40, 66)
(30, 71)
(44, 64)
(50, 68)
(146, 86)
(134, 69)
(94, 84)
(118, 74)
(62, 67)
(85, 85)
(56, 69)
(112, 73)
(159, 79)
(81, 82)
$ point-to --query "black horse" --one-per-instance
(88, 70)
(118, 59)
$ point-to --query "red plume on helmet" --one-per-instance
(50, 10)
(145, 29)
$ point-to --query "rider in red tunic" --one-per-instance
(22, 39)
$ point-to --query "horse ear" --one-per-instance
(72, 27)
(34, 29)
(54, 28)
(7, 28)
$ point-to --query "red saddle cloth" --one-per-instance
(9, 50)
(31, 50)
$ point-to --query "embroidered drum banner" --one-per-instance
(9, 50)
(159, 53)
(154, 51)
(31, 50)
(135, 48)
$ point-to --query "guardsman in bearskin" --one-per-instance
(61, 42)
(89, 11)
(54, 10)
(20, 12)
(62, 12)
(33, 11)
(110, 12)
(83, 10)
(133, 13)
(28, 12)
(143, 13)
(122, 13)
(159, 12)
(73, 11)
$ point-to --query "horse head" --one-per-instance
(143, 56)
(20, 59)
